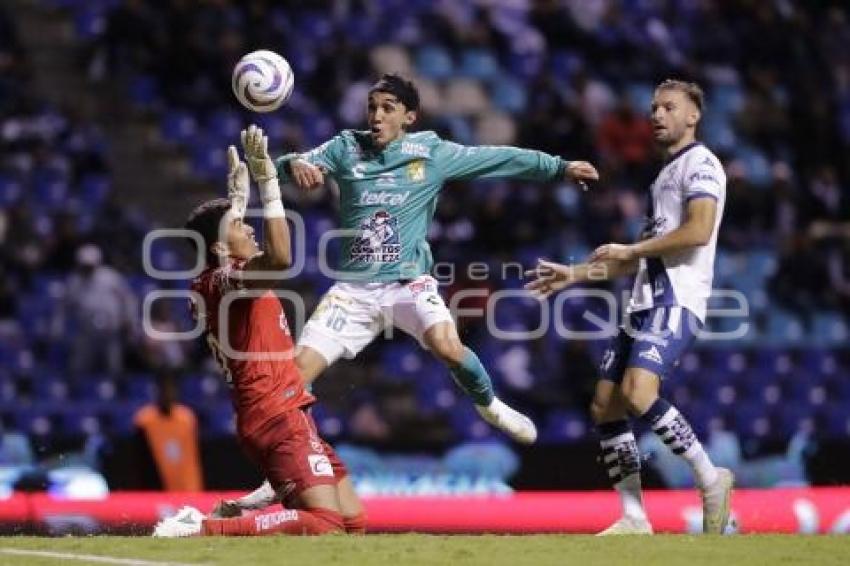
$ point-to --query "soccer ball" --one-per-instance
(262, 81)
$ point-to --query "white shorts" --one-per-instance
(351, 315)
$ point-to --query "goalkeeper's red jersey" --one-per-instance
(250, 338)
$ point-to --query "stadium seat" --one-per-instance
(94, 189)
(217, 419)
(835, 421)
(478, 64)
(564, 426)
(508, 95)
(829, 328)
(179, 126)
(143, 90)
(140, 387)
(330, 424)
(10, 190)
(434, 62)
(209, 161)
(224, 126)
(79, 419)
(751, 420)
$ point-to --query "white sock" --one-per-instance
(631, 497)
(676, 433)
(704, 470)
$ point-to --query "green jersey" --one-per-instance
(388, 197)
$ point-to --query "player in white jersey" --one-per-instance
(674, 264)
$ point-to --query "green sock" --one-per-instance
(471, 376)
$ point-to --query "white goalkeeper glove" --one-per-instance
(238, 183)
(256, 147)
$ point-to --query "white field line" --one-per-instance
(91, 558)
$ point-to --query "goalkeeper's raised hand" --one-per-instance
(238, 183)
(256, 147)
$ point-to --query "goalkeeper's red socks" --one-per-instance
(283, 522)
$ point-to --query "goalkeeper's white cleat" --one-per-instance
(716, 499)
(510, 421)
(628, 526)
(185, 523)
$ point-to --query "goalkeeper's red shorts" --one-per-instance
(291, 454)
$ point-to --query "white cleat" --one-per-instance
(510, 421)
(185, 523)
(628, 526)
(715, 502)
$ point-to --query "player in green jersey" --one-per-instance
(389, 181)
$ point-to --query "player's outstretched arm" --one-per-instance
(695, 231)
(479, 162)
(549, 277)
(277, 250)
(307, 170)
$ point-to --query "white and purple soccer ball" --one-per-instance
(263, 81)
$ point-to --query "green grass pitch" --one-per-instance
(414, 549)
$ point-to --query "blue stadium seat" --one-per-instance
(218, 419)
(330, 424)
(179, 126)
(564, 426)
(835, 421)
(829, 328)
(460, 128)
(10, 190)
(199, 388)
(478, 64)
(94, 189)
(51, 193)
(90, 22)
(209, 161)
(143, 90)
(640, 95)
(563, 63)
(508, 95)
(468, 425)
(402, 360)
(782, 328)
(36, 419)
(116, 418)
(140, 387)
(727, 99)
(820, 360)
(434, 62)
(756, 164)
(95, 388)
(224, 126)
(437, 398)
(752, 420)
(80, 419)
(51, 387)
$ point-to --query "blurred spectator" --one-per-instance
(15, 449)
(167, 354)
(625, 141)
(168, 437)
(102, 311)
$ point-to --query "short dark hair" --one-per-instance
(691, 90)
(400, 87)
(206, 220)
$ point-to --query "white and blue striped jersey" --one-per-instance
(682, 278)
